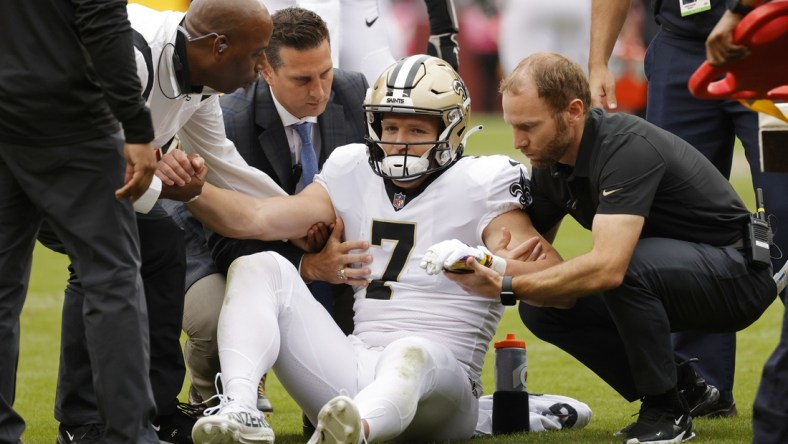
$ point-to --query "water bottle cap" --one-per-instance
(509, 342)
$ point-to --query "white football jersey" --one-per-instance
(402, 299)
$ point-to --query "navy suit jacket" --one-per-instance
(253, 124)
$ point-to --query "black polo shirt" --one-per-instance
(67, 73)
(628, 166)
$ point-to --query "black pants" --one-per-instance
(163, 269)
(73, 186)
(623, 335)
(770, 411)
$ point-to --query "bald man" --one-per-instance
(183, 61)
(218, 46)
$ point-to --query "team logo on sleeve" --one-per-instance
(522, 191)
(398, 201)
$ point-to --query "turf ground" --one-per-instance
(549, 369)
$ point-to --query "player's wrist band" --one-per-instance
(507, 292)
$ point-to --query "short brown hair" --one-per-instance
(296, 28)
(558, 80)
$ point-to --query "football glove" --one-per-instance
(444, 46)
(451, 255)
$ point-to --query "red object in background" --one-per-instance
(479, 65)
(631, 84)
(631, 93)
(761, 75)
(626, 63)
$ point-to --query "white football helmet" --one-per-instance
(423, 85)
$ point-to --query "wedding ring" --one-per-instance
(341, 274)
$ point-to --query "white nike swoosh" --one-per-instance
(606, 193)
(155, 427)
(677, 421)
(70, 436)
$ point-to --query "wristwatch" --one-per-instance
(507, 292)
(737, 7)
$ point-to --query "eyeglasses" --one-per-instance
(190, 38)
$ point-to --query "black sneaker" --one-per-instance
(177, 427)
(704, 399)
(719, 409)
(84, 434)
(625, 430)
(657, 425)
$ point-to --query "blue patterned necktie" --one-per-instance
(308, 157)
(320, 290)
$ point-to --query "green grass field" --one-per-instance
(550, 370)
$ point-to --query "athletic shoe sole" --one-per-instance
(679, 438)
(213, 430)
(707, 403)
(337, 423)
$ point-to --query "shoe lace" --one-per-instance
(192, 410)
(649, 414)
(224, 400)
(261, 386)
(689, 379)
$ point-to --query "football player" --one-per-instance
(411, 369)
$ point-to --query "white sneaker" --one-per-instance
(337, 423)
(232, 422)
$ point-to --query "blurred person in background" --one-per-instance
(362, 32)
(562, 26)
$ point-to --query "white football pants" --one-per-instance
(410, 388)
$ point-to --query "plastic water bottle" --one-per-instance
(510, 400)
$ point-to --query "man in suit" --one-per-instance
(299, 85)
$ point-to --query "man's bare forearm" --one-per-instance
(227, 212)
(607, 19)
(234, 214)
